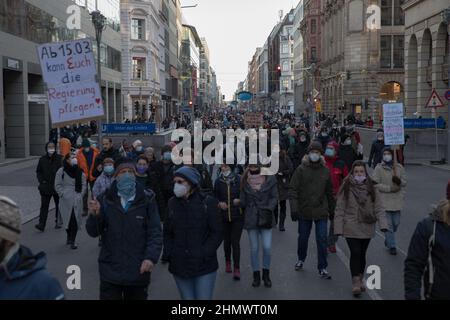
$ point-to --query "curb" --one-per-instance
(436, 167)
(10, 163)
(35, 215)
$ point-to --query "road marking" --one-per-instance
(399, 249)
(341, 255)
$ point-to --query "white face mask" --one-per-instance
(314, 157)
(387, 158)
(74, 161)
(180, 190)
(51, 151)
(347, 142)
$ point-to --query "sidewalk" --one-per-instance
(11, 161)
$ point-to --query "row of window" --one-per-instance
(21, 19)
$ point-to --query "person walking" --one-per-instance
(23, 274)
(259, 197)
(428, 259)
(338, 171)
(104, 181)
(46, 171)
(70, 184)
(127, 219)
(359, 207)
(346, 151)
(311, 199)
(283, 178)
(108, 151)
(376, 151)
(86, 157)
(390, 179)
(193, 231)
(227, 191)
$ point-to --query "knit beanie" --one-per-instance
(10, 220)
(316, 146)
(125, 165)
(86, 143)
(190, 174)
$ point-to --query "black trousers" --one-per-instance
(232, 240)
(72, 230)
(45, 203)
(85, 197)
(282, 206)
(110, 291)
(358, 250)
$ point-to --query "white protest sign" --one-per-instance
(75, 102)
(67, 62)
(69, 70)
(393, 123)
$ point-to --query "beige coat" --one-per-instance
(392, 195)
(346, 219)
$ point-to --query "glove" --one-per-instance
(396, 180)
(294, 216)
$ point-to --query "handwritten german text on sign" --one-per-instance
(393, 122)
(253, 119)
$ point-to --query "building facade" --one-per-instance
(190, 59)
(427, 55)
(25, 24)
(362, 63)
(252, 75)
(262, 93)
(299, 104)
(204, 90)
(286, 104)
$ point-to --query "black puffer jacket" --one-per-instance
(112, 153)
(193, 232)
(376, 153)
(226, 190)
(128, 238)
(46, 172)
(416, 263)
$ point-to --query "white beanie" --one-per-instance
(136, 143)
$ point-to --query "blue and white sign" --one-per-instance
(129, 128)
(245, 96)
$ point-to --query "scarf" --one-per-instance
(359, 191)
(256, 181)
(74, 173)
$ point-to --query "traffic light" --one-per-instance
(190, 103)
(136, 107)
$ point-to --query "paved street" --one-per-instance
(425, 186)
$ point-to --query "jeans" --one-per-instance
(304, 230)
(282, 212)
(110, 291)
(332, 238)
(45, 203)
(197, 288)
(232, 239)
(358, 250)
(393, 218)
(256, 236)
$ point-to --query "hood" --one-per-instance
(306, 162)
(269, 183)
(438, 211)
(24, 263)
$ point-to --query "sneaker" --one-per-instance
(228, 267)
(332, 249)
(73, 246)
(393, 251)
(324, 274)
(299, 265)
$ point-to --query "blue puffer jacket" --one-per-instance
(193, 232)
(24, 277)
(128, 238)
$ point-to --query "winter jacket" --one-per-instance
(83, 163)
(284, 177)
(193, 232)
(69, 199)
(391, 194)
(128, 238)
(251, 201)
(102, 184)
(24, 277)
(347, 217)
(416, 263)
(46, 172)
(226, 190)
(311, 191)
(376, 153)
(338, 172)
(112, 153)
(348, 155)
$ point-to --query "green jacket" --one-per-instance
(311, 191)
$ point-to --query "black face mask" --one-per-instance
(254, 173)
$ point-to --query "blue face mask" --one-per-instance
(126, 185)
(109, 170)
(330, 153)
(167, 156)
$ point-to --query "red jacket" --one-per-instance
(338, 171)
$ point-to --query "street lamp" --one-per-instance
(446, 18)
(99, 22)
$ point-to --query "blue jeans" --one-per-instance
(266, 239)
(197, 288)
(304, 230)
(393, 218)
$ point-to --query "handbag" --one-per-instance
(264, 219)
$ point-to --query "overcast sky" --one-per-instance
(233, 30)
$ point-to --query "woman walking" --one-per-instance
(227, 191)
(358, 209)
(283, 178)
(70, 184)
(259, 197)
(192, 234)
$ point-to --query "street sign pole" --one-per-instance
(446, 17)
(436, 133)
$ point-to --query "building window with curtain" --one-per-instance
(138, 68)
(137, 29)
(392, 13)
